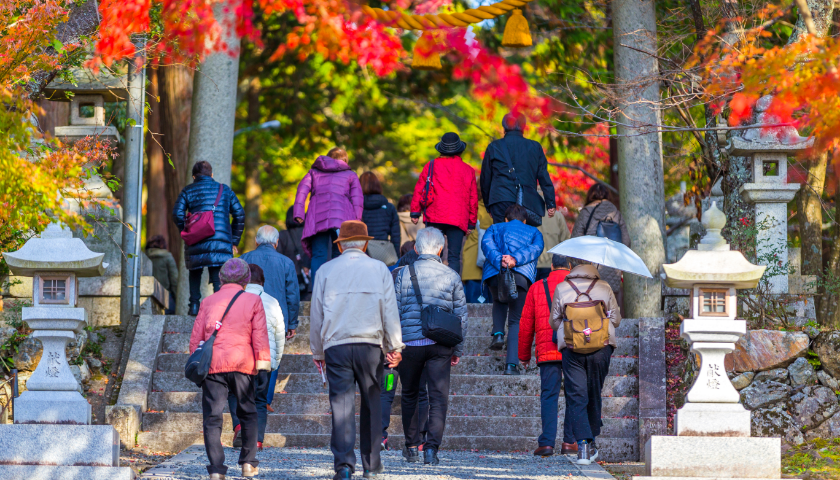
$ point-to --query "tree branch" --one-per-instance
(581, 170)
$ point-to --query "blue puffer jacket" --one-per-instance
(199, 196)
(439, 285)
(280, 280)
(522, 242)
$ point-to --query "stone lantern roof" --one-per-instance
(713, 262)
(55, 251)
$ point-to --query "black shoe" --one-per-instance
(343, 473)
(411, 454)
(498, 342)
(373, 473)
(510, 369)
(430, 456)
(193, 309)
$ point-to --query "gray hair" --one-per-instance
(429, 241)
(267, 235)
(360, 244)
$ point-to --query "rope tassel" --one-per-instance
(517, 32)
(426, 56)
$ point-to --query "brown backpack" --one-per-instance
(585, 324)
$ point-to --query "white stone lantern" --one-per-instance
(713, 429)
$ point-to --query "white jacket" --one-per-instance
(274, 321)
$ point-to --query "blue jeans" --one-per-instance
(551, 378)
(323, 249)
(474, 289)
(272, 382)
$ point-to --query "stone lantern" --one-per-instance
(52, 435)
(770, 191)
(712, 429)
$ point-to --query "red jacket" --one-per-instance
(453, 199)
(242, 342)
(534, 319)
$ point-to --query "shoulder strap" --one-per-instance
(591, 286)
(218, 197)
(415, 284)
(579, 293)
(591, 216)
(509, 161)
(429, 185)
(233, 300)
(547, 292)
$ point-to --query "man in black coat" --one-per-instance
(529, 167)
(212, 252)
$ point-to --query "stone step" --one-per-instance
(322, 425)
(475, 345)
(469, 384)
(610, 449)
(459, 405)
(475, 326)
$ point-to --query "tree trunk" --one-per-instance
(175, 86)
(828, 306)
(809, 214)
(157, 216)
(253, 189)
(639, 149)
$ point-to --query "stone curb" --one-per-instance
(167, 469)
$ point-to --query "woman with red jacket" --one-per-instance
(447, 197)
(534, 321)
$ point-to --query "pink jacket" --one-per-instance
(242, 342)
(335, 196)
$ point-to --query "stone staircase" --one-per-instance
(487, 411)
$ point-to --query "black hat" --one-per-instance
(450, 144)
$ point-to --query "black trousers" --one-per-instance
(195, 282)
(434, 360)
(213, 400)
(585, 374)
(509, 313)
(497, 211)
(551, 379)
(422, 406)
(260, 399)
(347, 366)
(455, 238)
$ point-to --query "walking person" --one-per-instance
(203, 195)
(382, 221)
(513, 163)
(535, 323)
(276, 341)
(164, 268)
(585, 372)
(334, 197)
(439, 286)
(471, 272)
(554, 231)
(291, 246)
(445, 195)
(601, 215)
(516, 246)
(280, 275)
(354, 319)
(240, 364)
(408, 229)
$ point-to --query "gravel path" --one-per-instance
(307, 463)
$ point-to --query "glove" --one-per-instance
(261, 380)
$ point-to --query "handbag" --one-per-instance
(506, 286)
(605, 229)
(198, 363)
(531, 217)
(480, 258)
(383, 251)
(436, 323)
(200, 225)
(427, 191)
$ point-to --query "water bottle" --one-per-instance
(390, 379)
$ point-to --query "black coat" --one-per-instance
(382, 220)
(199, 196)
(528, 159)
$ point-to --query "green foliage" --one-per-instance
(813, 358)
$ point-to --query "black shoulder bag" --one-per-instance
(437, 324)
(532, 218)
(198, 365)
(429, 184)
(606, 229)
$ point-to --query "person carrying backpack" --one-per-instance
(585, 314)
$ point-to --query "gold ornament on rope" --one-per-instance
(517, 33)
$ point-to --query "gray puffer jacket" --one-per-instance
(439, 285)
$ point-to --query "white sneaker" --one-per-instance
(587, 453)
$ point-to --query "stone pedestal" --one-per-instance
(713, 457)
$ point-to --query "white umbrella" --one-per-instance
(603, 251)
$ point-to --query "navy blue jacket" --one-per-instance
(199, 196)
(280, 280)
(528, 159)
(522, 242)
(382, 220)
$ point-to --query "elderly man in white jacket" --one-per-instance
(276, 340)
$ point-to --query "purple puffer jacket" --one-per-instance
(336, 196)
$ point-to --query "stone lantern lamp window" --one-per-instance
(714, 302)
(771, 168)
(55, 289)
